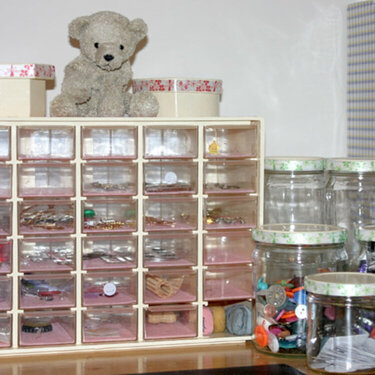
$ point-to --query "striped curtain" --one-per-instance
(361, 79)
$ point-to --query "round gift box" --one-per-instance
(181, 97)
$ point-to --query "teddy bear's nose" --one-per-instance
(108, 57)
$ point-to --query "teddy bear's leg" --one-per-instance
(63, 106)
(143, 104)
(111, 104)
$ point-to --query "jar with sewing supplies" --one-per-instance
(341, 322)
(350, 195)
(366, 238)
(294, 190)
(284, 255)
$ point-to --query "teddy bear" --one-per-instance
(96, 82)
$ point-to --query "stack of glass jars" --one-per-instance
(294, 190)
(350, 197)
(284, 255)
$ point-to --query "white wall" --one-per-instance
(280, 59)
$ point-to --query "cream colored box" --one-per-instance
(23, 89)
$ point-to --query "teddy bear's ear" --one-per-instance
(139, 28)
(76, 27)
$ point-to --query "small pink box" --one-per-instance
(109, 179)
(46, 180)
(46, 328)
(234, 212)
(170, 177)
(232, 247)
(166, 143)
(109, 216)
(109, 252)
(227, 283)
(46, 254)
(170, 214)
(231, 142)
(230, 177)
(170, 250)
(46, 143)
(109, 325)
(104, 143)
(47, 291)
(170, 322)
(163, 286)
(109, 288)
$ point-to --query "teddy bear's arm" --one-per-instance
(77, 82)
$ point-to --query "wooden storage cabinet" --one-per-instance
(120, 233)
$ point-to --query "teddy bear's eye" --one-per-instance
(96, 45)
(121, 47)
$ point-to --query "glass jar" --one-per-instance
(350, 197)
(294, 190)
(341, 322)
(366, 238)
(284, 255)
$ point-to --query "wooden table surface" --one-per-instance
(142, 361)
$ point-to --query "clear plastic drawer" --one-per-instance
(47, 291)
(102, 253)
(46, 180)
(110, 288)
(107, 179)
(170, 286)
(46, 254)
(45, 328)
(227, 283)
(5, 293)
(5, 180)
(109, 325)
(47, 143)
(170, 250)
(5, 330)
(109, 143)
(5, 256)
(170, 322)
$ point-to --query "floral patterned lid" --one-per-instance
(350, 165)
(210, 86)
(300, 234)
(366, 233)
(341, 284)
(35, 71)
(282, 163)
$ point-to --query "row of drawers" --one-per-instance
(160, 286)
(58, 143)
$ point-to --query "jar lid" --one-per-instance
(341, 284)
(350, 165)
(210, 86)
(297, 164)
(366, 233)
(300, 234)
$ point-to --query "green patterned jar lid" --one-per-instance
(350, 165)
(300, 234)
(341, 284)
(367, 233)
(295, 164)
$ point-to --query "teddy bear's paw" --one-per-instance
(143, 104)
(61, 106)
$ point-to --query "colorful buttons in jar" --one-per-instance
(284, 255)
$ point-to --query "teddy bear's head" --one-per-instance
(107, 39)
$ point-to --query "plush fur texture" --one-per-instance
(96, 82)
